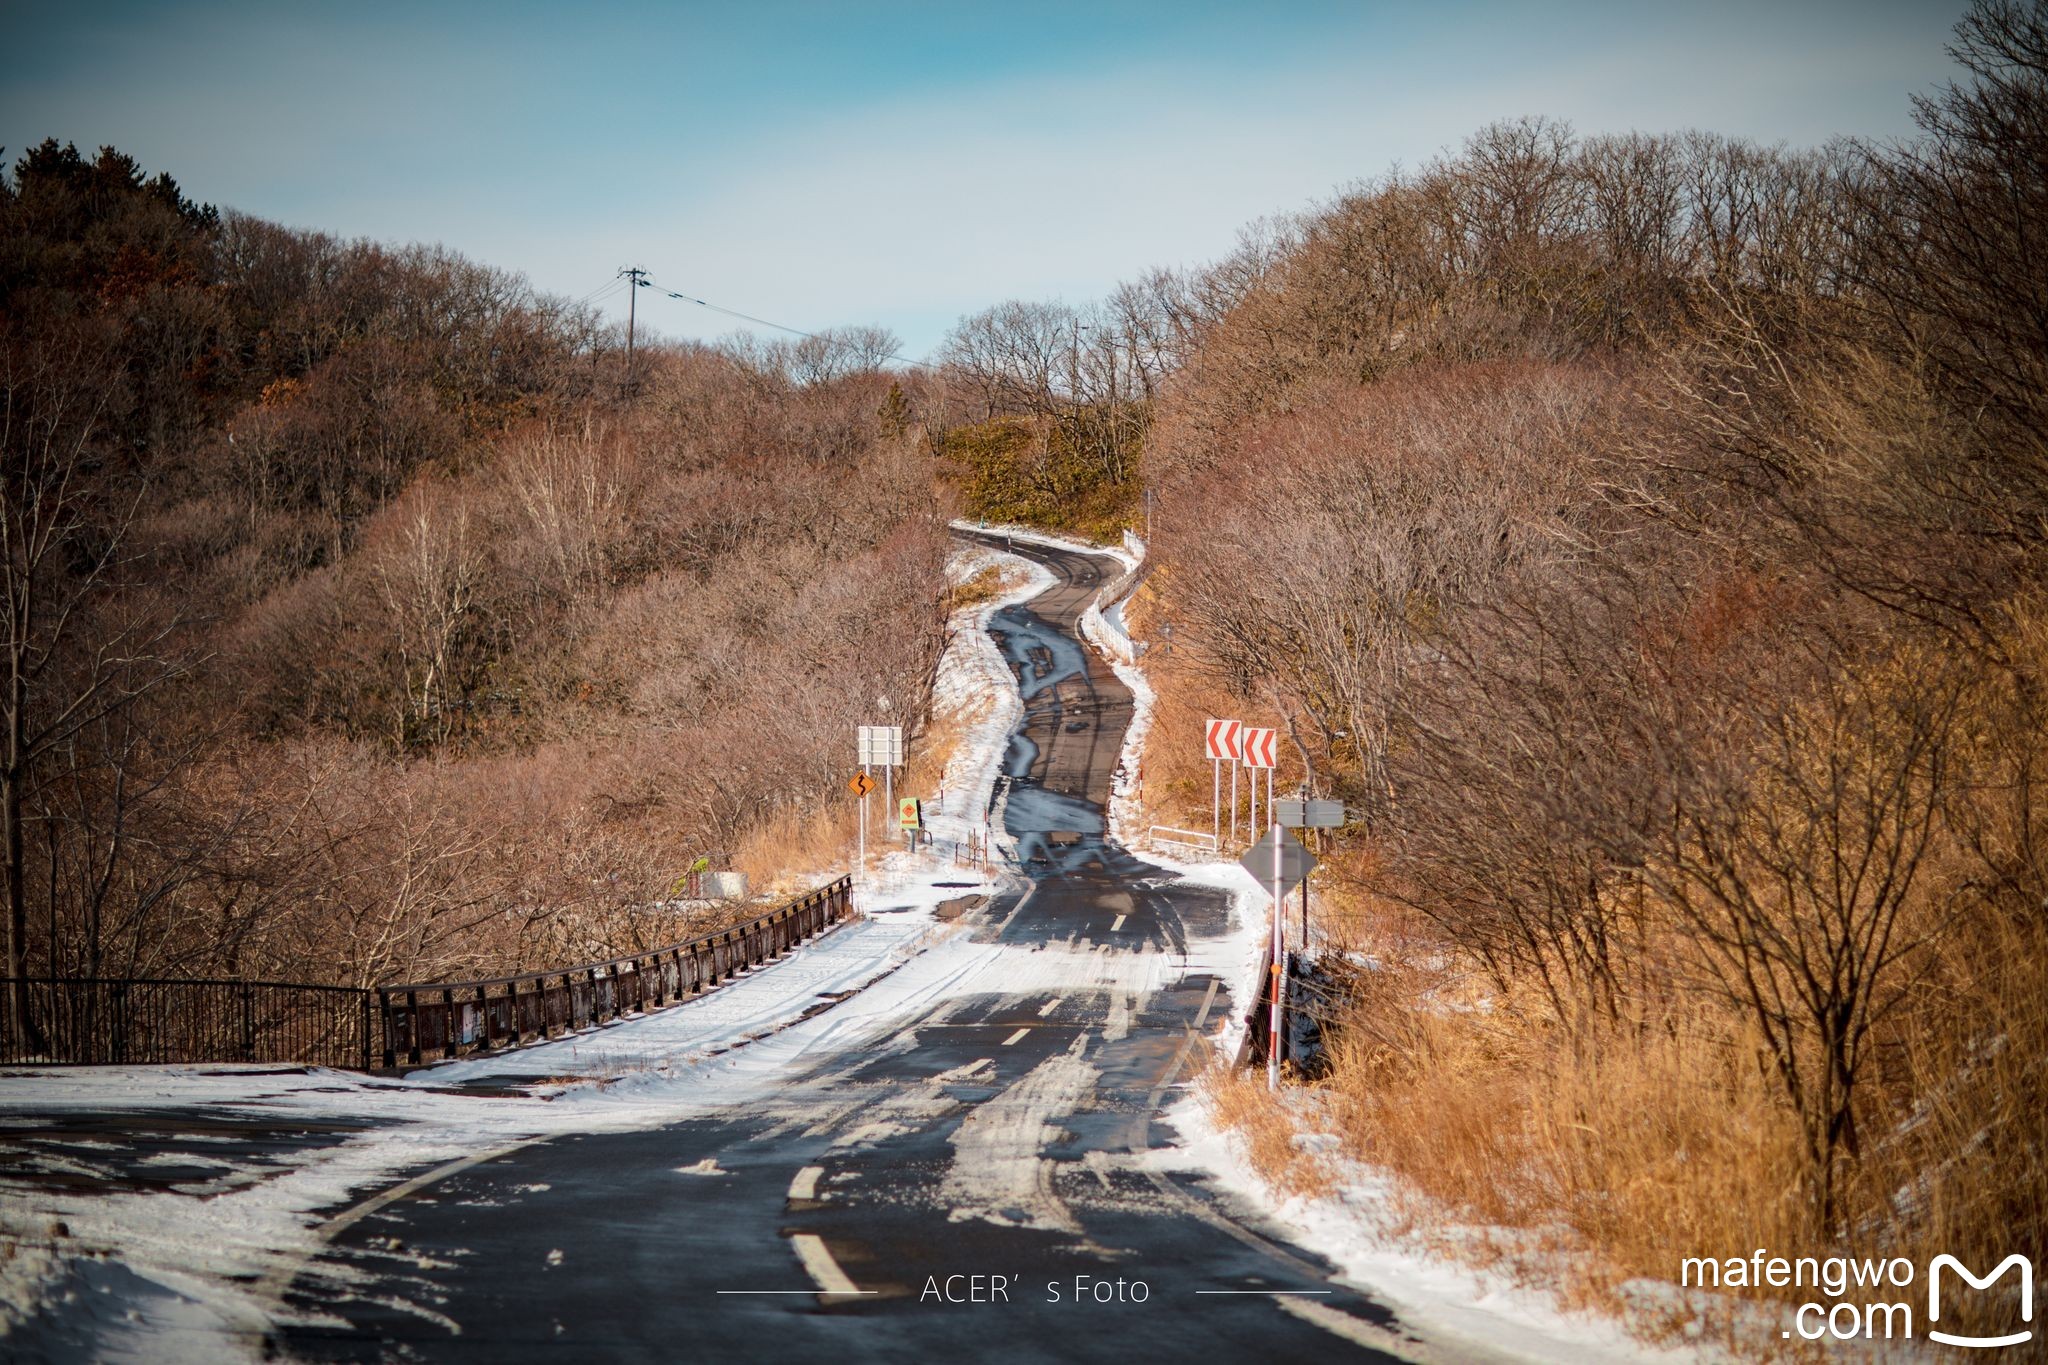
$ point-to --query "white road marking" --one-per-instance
(1051, 1005)
(1015, 1036)
(1119, 923)
(708, 1166)
(961, 1073)
(805, 1186)
(1354, 1330)
(810, 1249)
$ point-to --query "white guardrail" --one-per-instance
(1186, 838)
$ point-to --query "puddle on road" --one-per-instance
(1043, 655)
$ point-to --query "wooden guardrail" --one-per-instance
(428, 1021)
(83, 1021)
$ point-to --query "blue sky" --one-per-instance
(899, 164)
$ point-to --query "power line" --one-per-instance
(601, 293)
(764, 322)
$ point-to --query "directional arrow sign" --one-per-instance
(1222, 738)
(1296, 862)
(1258, 747)
(861, 783)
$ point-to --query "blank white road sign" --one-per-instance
(881, 745)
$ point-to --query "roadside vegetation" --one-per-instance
(367, 620)
(1643, 536)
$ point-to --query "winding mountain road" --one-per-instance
(961, 1165)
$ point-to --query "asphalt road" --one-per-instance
(968, 1181)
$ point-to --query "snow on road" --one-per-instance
(199, 1264)
(208, 1253)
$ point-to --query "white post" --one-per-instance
(1233, 803)
(1215, 801)
(863, 827)
(1253, 824)
(1279, 971)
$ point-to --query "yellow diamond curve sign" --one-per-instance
(861, 784)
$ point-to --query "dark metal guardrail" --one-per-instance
(423, 1022)
(111, 1020)
(73, 1021)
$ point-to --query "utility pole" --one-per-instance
(639, 279)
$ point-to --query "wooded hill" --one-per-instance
(1647, 537)
(360, 627)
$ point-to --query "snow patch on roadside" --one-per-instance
(975, 696)
(1459, 1309)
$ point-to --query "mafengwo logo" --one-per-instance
(1947, 1262)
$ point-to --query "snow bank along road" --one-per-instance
(951, 1155)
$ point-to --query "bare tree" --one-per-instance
(76, 649)
(428, 576)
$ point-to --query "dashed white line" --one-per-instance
(1051, 1005)
(810, 1249)
(1015, 1036)
(805, 1186)
(1119, 923)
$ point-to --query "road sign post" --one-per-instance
(1274, 1035)
(880, 746)
(1259, 753)
(861, 784)
(1299, 812)
(1233, 801)
(1280, 861)
(1221, 739)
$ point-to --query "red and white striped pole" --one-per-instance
(1279, 970)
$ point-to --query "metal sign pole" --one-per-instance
(1279, 967)
(1216, 802)
(1304, 913)
(1254, 822)
(864, 823)
(1233, 800)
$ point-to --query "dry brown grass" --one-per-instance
(989, 583)
(1583, 1156)
(781, 851)
(1270, 1129)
